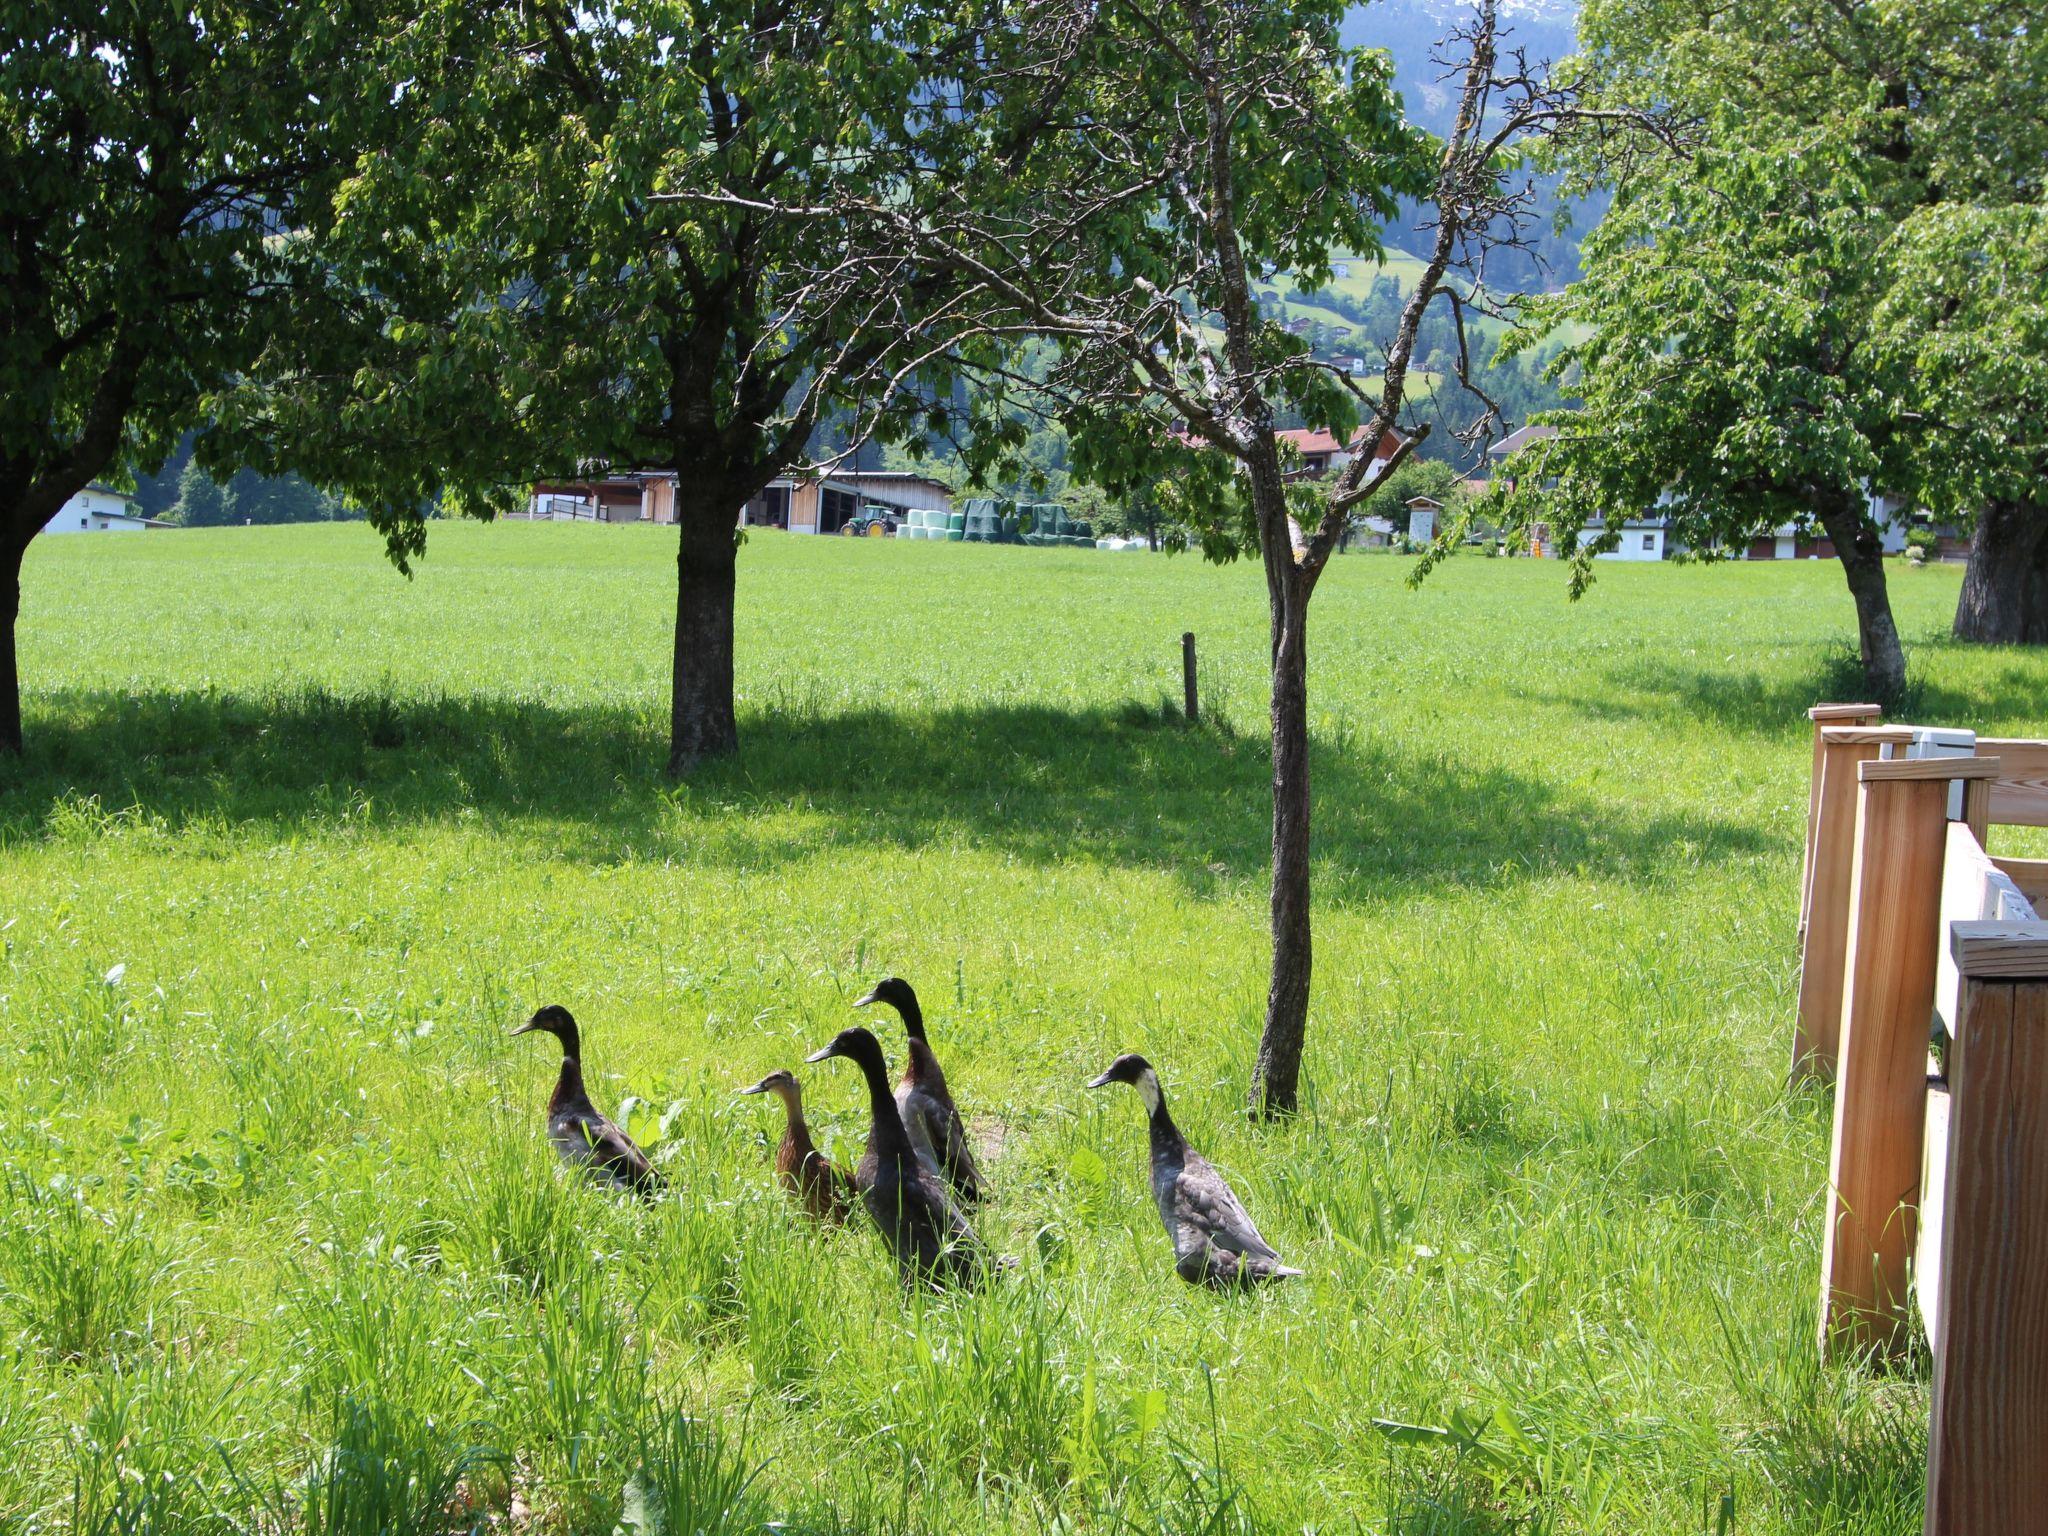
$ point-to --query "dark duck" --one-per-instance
(924, 1229)
(934, 1125)
(586, 1139)
(818, 1184)
(1214, 1241)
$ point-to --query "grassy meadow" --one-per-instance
(281, 1247)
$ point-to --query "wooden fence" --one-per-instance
(1924, 994)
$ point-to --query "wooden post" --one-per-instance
(1987, 1442)
(1187, 676)
(1823, 716)
(1887, 1007)
(1823, 953)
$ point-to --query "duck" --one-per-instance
(1214, 1241)
(936, 1130)
(819, 1185)
(585, 1139)
(916, 1215)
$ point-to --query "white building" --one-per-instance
(97, 509)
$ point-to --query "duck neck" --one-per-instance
(796, 1131)
(913, 1016)
(1166, 1136)
(569, 1090)
(920, 1066)
(885, 1124)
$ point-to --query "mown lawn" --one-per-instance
(298, 841)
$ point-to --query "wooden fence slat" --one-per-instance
(2031, 876)
(1881, 1090)
(1933, 1219)
(1824, 945)
(1987, 1447)
(2020, 796)
(1822, 716)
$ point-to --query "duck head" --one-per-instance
(895, 991)
(856, 1045)
(1137, 1071)
(780, 1083)
(554, 1019)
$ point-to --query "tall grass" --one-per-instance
(281, 1246)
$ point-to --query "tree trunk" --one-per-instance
(10, 676)
(2005, 586)
(1860, 548)
(701, 722)
(1276, 1076)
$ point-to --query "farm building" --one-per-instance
(1789, 541)
(1424, 513)
(99, 509)
(825, 503)
(1649, 536)
(1321, 453)
(800, 503)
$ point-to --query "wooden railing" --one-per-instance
(1938, 1168)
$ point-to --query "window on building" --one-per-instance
(1649, 541)
(81, 522)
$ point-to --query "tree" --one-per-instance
(201, 503)
(152, 155)
(1733, 370)
(1967, 318)
(1137, 166)
(602, 233)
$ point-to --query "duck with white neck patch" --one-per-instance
(1214, 1241)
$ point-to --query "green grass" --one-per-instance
(298, 841)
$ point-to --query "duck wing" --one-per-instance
(925, 1230)
(1202, 1203)
(956, 1156)
(918, 1109)
(587, 1140)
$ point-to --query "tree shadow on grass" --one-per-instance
(1775, 703)
(1130, 786)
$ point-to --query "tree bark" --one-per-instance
(1860, 548)
(701, 720)
(10, 676)
(2005, 586)
(1276, 1074)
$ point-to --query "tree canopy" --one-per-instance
(1734, 353)
(159, 160)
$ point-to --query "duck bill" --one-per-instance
(862, 1002)
(760, 1087)
(826, 1054)
(525, 1029)
(1099, 1082)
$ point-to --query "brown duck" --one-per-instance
(582, 1137)
(934, 1126)
(818, 1184)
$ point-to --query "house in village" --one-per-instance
(100, 509)
(1321, 453)
(800, 503)
(1651, 536)
(1641, 536)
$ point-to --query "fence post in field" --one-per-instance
(1838, 752)
(1823, 716)
(1987, 1442)
(1887, 1010)
(1187, 676)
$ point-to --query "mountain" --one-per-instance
(1412, 31)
